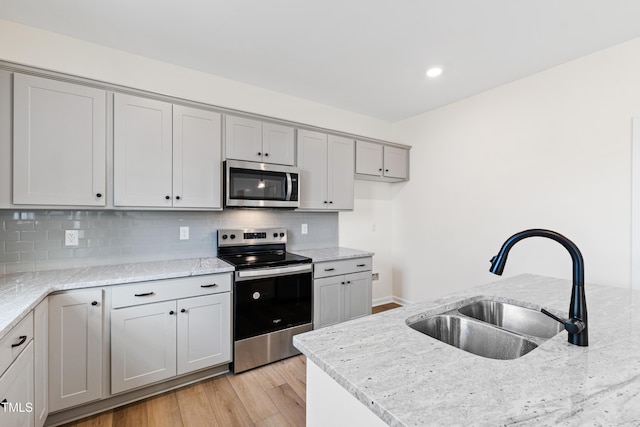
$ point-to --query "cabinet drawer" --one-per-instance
(345, 266)
(169, 289)
(15, 341)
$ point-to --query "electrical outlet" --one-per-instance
(375, 276)
(305, 230)
(184, 233)
(71, 237)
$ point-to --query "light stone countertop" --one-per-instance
(409, 379)
(332, 254)
(21, 292)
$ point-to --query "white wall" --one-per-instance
(548, 151)
(369, 227)
(30, 46)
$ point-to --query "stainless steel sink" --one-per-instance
(475, 337)
(513, 318)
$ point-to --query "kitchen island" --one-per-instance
(402, 377)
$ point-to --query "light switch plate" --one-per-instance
(304, 230)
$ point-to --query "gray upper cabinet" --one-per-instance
(256, 141)
(197, 154)
(142, 152)
(165, 155)
(59, 143)
(376, 161)
(326, 165)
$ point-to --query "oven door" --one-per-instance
(273, 300)
(249, 184)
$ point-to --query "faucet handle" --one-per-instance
(572, 325)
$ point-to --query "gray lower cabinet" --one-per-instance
(165, 337)
(41, 362)
(75, 348)
(16, 375)
(342, 291)
(16, 391)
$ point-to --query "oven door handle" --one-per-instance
(269, 272)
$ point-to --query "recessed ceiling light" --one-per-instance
(434, 72)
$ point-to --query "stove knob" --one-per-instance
(233, 236)
(281, 234)
(224, 237)
(275, 234)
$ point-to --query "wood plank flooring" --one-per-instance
(269, 396)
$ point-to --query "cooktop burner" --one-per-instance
(264, 259)
(253, 248)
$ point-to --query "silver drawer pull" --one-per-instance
(146, 294)
(213, 285)
(361, 265)
(23, 338)
(329, 269)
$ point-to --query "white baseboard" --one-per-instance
(389, 299)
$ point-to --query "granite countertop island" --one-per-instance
(407, 378)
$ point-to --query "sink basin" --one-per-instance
(513, 318)
(475, 337)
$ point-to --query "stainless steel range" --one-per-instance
(272, 295)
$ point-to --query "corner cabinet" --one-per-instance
(326, 164)
(256, 141)
(381, 162)
(59, 143)
(341, 291)
(164, 328)
(75, 348)
(165, 155)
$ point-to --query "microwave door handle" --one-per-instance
(289, 187)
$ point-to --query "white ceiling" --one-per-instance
(365, 56)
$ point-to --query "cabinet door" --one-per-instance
(368, 158)
(328, 301)
(59, 143)
(142, 152)
(357, 301)
(278, 144)
(396, 162)
(204, 332)
(196, 158)
(16, 392)
(75, 348)
(312, 162)
(41, 361)
(143, 345)
(243, 139)
(340, 174)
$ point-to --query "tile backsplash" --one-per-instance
(34, 240)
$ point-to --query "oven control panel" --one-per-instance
(249, 237)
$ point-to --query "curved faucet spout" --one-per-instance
(578, 305)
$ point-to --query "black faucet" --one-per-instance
(576, 325)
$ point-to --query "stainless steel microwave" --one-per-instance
(261, 185)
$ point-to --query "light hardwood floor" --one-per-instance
(270, 396)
